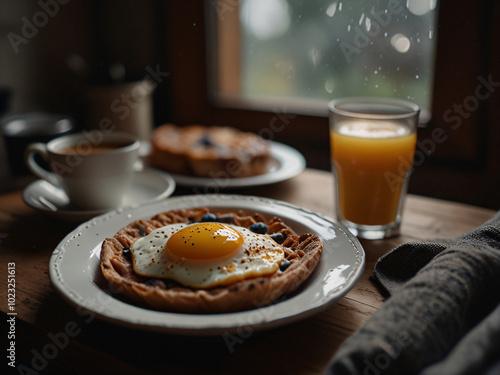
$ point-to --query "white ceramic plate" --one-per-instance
(75, 273)
(286, 163)
(148, 185)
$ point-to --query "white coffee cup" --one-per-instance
(94, 168)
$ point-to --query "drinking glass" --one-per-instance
(372, 147)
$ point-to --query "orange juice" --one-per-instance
(370, 161)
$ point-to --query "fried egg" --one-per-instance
(204, 255)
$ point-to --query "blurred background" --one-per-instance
(270, 66)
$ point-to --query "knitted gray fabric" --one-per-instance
(443, 316)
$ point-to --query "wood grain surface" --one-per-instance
(53, 337)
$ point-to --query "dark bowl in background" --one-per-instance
(21, 130)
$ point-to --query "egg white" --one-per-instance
(259, 255)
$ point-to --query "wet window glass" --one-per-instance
(318, 50)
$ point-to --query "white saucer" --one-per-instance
(286, 162)
(148, 185)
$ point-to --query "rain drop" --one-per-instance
(361, 19)
(329, 86)
(330, 11)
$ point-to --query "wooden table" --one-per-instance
(27, 239)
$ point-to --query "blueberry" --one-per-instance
(209, 217)
(126, 251)
(285, 263)
(206, 141)
(278, 237)
(259, 228)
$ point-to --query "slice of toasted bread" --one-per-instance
(303, 252)
(208, 151)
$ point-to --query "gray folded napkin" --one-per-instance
(443, 313)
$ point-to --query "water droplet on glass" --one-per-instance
(329, 84)
(332, 8)
(400, 43)
(419, 7)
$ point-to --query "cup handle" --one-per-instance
(29, 158)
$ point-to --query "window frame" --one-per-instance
(465, 57)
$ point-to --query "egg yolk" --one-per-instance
(204, 241)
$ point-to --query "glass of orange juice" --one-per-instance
(372, 146)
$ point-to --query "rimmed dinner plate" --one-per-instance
(74, 269)
(286, 162)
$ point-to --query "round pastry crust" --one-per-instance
(206, 151)
(302, 251)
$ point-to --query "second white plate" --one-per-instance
(286, 163)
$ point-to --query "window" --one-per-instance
(462, 159)
(309, 52)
